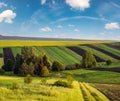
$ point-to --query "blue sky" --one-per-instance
(81, 19)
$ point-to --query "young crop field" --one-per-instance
(98, 53)
(58, 54)
(82, 51)
(36, 91)
(103, 49)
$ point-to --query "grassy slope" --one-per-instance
(55, 53)
(109, 49)
(95, 76)
(98, 53)
(37, 91)
(16, 50)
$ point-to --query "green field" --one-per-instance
(109, 49)
(56, 53)
(98, 53)
(93, 76)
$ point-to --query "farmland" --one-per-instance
(86, 81)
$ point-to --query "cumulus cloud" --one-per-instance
(76, 30)
(43, 2)
(111, 26)
(45, 29)
(2, 4)
(79, 4)
(7, 16)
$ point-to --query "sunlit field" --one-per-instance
(36, 91)
(5, 43)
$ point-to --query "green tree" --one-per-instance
(18, 63)
(56, 66)
(44, 71)
(89, 60)
(46, 62)
(9, 65)
(27, 69)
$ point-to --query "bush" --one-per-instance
(28, 79)
(44, 71)
(70, 78)
(43, 81)
(56, 66)
(62, 83)
(15, 86)
(108, 62)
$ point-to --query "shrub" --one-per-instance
(28, 79)
(70, 78)
(44, 71)
(62, 83)
(43, 81)
(15, 86)
(56, 66)
(108, 62)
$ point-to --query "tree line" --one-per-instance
(28, 62)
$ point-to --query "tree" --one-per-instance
(44, 71)
(27, 69)
(9, 65)
(56, 66)
(46, 62)
(18, 63)
(89, 60)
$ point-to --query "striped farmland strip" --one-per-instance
(114, 46)
(81, 52)
(104, 51)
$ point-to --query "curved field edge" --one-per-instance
(6, 43)
(37, 91)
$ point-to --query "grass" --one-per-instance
(6, 43)
(93, 76)
(16, 50)
(1, 62)
(1, 50)
(98, 53)
(109, 49)
(113, 65)
(39, 92)
(57, 54)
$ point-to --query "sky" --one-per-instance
(77, 19)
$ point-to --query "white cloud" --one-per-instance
(70, 25)
(79, 4)
(45, 29)
(7, 16)
(43, 2)
(2, 4)
(111, 26)
(76, 30)
(59, 26)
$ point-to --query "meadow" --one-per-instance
(36, 91)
